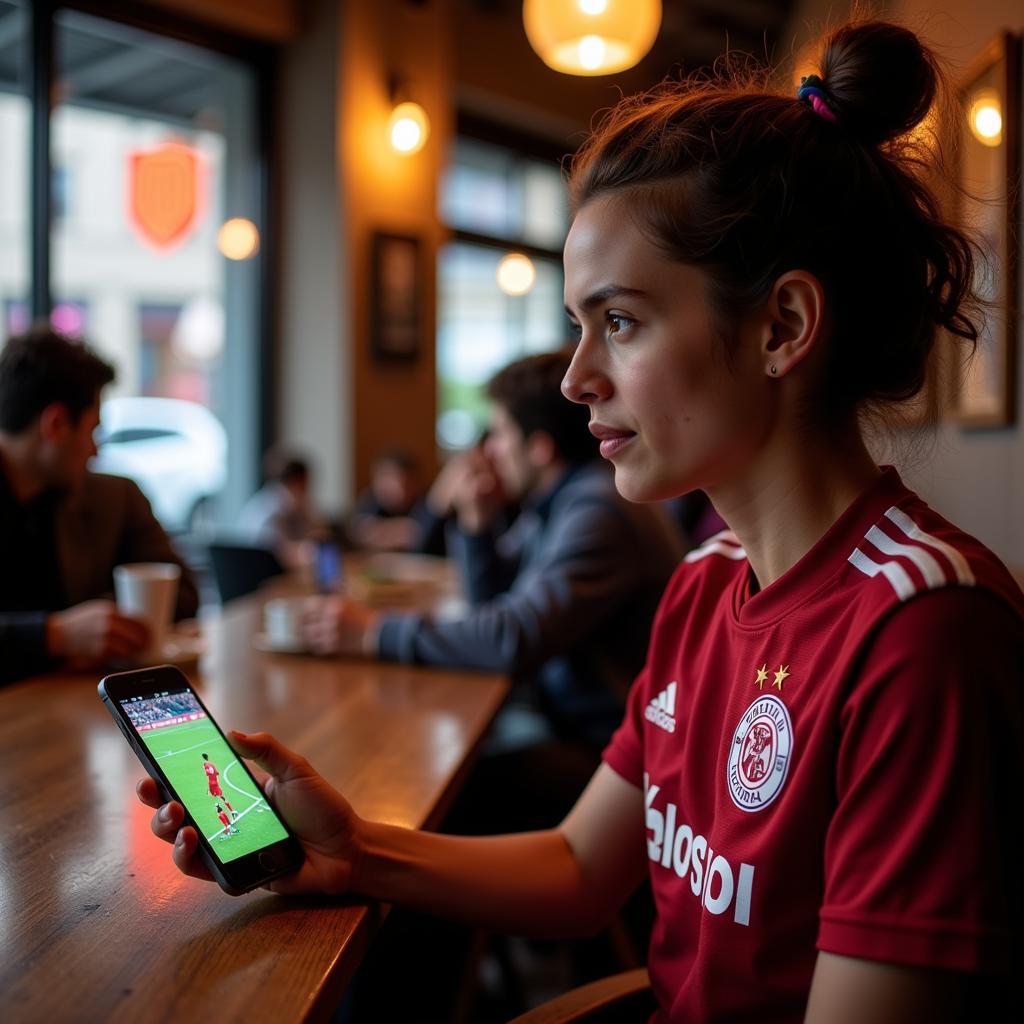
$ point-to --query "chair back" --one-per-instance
(620, 999)
(239, 569)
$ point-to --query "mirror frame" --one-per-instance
(1002, 53)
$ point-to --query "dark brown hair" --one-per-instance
(43, 366)
(284, 467)
(530, 390)
(747, 182)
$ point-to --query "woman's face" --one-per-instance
(673, 410)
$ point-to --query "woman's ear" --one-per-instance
(795, 315)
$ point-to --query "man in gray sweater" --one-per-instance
(562, 600)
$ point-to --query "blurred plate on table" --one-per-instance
(180, 649)
(262, 642)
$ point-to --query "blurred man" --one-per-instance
(563, 600)
(394, 514)
(281, 516)
(62, 528)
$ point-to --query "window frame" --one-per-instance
(528, 149)
(260, 58)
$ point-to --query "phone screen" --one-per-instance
(206, 774)
(328, 566)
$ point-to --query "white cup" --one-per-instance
(148, 591)
(282, 621)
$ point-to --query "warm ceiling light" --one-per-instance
(516, 274)
(238, 239)
(408, 128)
(986, 118)
(591, 37)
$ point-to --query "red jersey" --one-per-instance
(829, 763)
(224, 819)
(211, 772)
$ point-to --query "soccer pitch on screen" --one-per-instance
(178, 750)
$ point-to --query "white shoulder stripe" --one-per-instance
(715, 548)
(963, 571)
(892, 571)
(933, 574)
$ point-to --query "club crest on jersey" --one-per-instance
(759, 757)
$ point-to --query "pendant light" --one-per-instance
(591, 37)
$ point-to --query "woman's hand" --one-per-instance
(318, 814)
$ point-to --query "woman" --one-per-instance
(816, 760)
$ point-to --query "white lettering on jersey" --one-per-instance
(711, 876)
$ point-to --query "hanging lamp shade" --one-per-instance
(591, 37)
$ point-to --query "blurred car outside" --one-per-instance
(176, 451)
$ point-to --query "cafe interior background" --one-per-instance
(224, 197)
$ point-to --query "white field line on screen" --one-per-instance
(251, 807)
(173, 753)
(238, 789)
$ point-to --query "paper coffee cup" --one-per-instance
(148, 591)
(282, 621)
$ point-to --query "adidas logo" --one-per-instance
(661, 711)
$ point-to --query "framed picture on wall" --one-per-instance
(397, 310)
(988, 172)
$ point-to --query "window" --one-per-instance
(154, 146)
(14, 165)
(69, 317)
(496, 202)
(60, 192)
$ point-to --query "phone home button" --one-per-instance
(269, 862)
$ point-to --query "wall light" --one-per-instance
(591, 37)
(238, 239)
(985, 117)
(516, 274)
(408, 128)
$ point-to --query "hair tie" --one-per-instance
(812, 92)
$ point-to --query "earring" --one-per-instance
(772, 370)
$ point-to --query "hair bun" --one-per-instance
(880, 77)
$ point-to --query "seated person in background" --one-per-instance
(62, 528)
(392, 514)
(564, 599)
(281, 516)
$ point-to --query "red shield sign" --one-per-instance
(165, 195)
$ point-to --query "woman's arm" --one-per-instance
(564, 881)
(845, 990)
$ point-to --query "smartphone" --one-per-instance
(241, 838)
(329, 567)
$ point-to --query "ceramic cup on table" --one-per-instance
(148, 591)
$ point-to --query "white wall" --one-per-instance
(314, 374)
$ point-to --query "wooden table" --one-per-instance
(96, 924)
